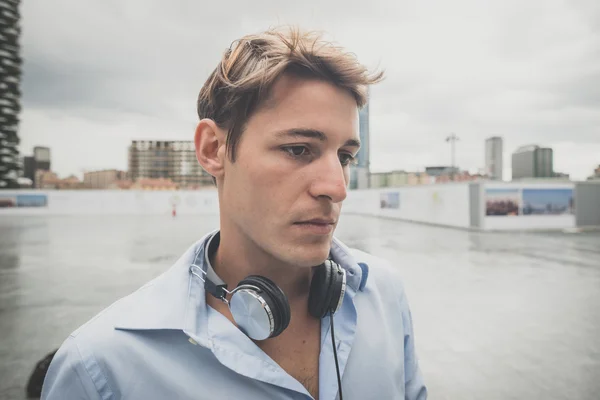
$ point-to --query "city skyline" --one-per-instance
(465, 72)
(492, 153)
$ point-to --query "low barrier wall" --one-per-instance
(116, 202)
(476, 205)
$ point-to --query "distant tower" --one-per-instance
(363, 123)
(10, 79)
(359, 173)
(533, 162)
(493, 158)
(452, 139)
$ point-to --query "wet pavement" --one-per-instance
(497, 315)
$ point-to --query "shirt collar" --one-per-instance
(176, 299)
(340, 253)
(162, 302)
(357, 274)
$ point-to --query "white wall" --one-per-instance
(66, 202)
(446, 204)
(441, 204)
(529, 222)
(437, 204)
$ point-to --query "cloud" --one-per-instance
(99, 74)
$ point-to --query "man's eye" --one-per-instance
(297, 151)
(346, 158)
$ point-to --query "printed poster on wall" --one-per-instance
(528, 201)
(389, 200)
(548, 202)
(502, 202)
(23, 200)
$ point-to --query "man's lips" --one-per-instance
(317, 221)
(317, 226)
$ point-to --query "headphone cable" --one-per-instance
(337, 367)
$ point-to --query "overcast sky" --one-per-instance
(98, 74)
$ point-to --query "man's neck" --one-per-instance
(297, 349)
(237, 257)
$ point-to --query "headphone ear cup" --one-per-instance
(275, 299)
(338, 287)
(320, 291)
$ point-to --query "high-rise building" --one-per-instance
(41, 155)
(532, 162)
(175, 159)
(29, 167)
(21, 166)
(40, 161)
(102, 179)
(493, 158)
(363, 156)
(359, 173)
(10, 95)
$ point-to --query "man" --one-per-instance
(278, 130)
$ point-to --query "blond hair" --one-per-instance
(250, 66)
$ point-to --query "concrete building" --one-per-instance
(359, 178)
(360, 173)
(532, 162)
(493, 158)
(29, 167)
(45, 179)
(42, 157)
(462, 176)
(561, 176)
(378, 179)
(154, 184)
(441, 170)
(102, 179)
(71, 182)
(20, 166)
(174, 160)
(419, 178)
(50, 181)
(40, 161)
(399, 178)
(363, 156)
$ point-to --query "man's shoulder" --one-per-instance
(79, 363)
(98, 355)
(99, 330)
(157, 304)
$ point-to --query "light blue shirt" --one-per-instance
(164, 342)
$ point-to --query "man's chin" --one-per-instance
(313, 256)
(303, 252)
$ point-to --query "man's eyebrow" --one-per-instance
(312, 134)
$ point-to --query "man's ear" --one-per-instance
(210, 147)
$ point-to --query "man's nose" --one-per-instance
(330, 180)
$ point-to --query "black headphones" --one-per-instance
(260, 308)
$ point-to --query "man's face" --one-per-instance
(284, 191)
